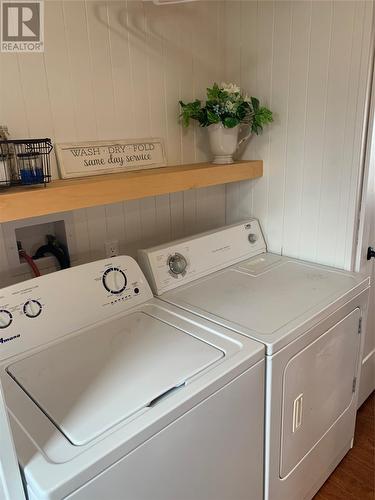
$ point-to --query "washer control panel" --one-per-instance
(170, 265)
(45, 308)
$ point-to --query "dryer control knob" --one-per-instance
(5, 318)
(177, 263)
(114, 280)
(253, 238)
(32, 308)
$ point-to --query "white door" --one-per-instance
(364, 264)
(367, 381)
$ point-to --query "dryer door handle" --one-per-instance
(297, 412)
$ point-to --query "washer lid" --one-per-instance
(90, 382)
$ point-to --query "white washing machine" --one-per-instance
(309, 319)
(113, 394)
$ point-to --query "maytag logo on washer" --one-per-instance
(8, 339)
(22, 26)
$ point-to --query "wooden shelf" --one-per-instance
(63, 195)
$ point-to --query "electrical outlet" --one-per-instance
(111, 248)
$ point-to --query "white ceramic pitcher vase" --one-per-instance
(224, 142)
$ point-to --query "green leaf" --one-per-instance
(261, 117)
(255, 103)
(213, 93)
(191, 110)
(230, 121)
(212, 117)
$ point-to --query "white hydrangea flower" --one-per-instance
(231, 88)
(229, 106)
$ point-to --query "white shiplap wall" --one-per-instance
(117, 69)
(308, 62)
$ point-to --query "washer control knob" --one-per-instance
(177, 263)
(6, 318)
(114, 280)
(253, 238)
(32, 308)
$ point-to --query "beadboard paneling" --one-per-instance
(308, 61)
(116, 69)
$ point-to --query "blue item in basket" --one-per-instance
(30, 168)
(32, 175)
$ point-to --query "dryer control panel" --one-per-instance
(43, 309)
(178, 262)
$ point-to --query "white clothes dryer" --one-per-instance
(309, 317)
(113, 394)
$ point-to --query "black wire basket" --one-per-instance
(25, 162)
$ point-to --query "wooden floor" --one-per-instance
(354, 478)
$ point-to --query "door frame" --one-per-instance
(367, 153)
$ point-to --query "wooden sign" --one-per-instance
(105, 157)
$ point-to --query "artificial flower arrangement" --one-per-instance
(228, 105)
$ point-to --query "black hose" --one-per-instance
(56, 249)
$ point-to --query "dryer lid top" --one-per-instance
(264, 302)
(88, 383)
